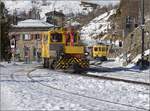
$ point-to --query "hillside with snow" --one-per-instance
(68, 7)
(97, 26)
(20, 6)
(45, 6)
(65, 6)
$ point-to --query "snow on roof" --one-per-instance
(33, 23)
(75, 23)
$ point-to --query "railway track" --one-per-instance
(15, 79)
(31, 79)
(115, 79)
(100, 77)
(29, 75)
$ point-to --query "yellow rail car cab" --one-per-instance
(52, 46)
(62, 50)
(100, 51)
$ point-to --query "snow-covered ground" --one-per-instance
(53, 90)
(97, 26)
(115, 69)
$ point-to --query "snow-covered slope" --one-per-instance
(65, 6)
(97, 26)
(19, 5)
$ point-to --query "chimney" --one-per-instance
(61, 11)
(15, 20)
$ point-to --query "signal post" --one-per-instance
(13, 48)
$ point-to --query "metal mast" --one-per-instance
(142, 28)
(54, 13)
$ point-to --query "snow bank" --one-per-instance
(120, 59)
(147, 52)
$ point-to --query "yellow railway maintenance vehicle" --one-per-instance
(63, 50)
(100, 51)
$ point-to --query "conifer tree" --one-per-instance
(5, 52)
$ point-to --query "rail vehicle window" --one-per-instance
(56, 37)
(103, 48)
(106, 48)
(100, 48)
(75, 35)
(95, 49)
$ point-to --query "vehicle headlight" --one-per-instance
(86, 53)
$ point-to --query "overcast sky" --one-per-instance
(104, 2)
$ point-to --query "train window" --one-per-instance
(106, 48)
(103, 48)
(75, 35)
(95, 49)
(100, 48)
(56, 37)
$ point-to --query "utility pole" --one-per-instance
(142, 28)
(54, 13)
(13, 48)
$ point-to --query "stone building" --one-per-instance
(55, 17)
(28, 35)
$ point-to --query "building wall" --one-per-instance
(57, 20)
(34, 44)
